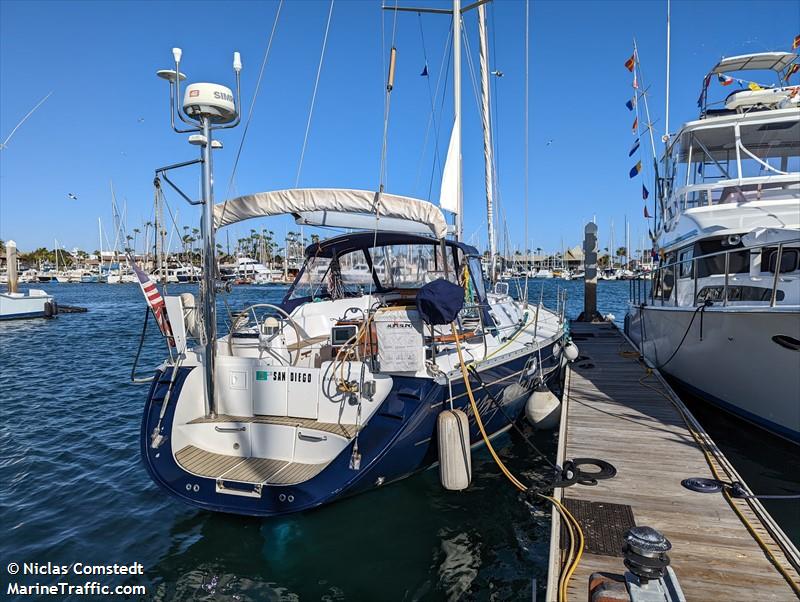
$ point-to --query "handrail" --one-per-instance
(656, 275)
(777, 275)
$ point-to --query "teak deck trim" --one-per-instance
(343, 430)
(609, 413)
(254, 471)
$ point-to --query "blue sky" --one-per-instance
(107, 119)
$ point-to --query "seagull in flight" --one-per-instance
(549, 142)
(141, 119)
(72, 196)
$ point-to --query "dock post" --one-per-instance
(590, 274)
(11, 263)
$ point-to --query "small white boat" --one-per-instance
(34, 303)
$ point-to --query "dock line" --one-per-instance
(569, 519)
(712, 458)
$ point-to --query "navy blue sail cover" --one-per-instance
(439, 302)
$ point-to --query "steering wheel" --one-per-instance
(250, 311)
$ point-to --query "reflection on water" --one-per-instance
(72, 487)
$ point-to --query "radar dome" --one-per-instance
(209, 100)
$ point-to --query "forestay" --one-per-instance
(362, 203)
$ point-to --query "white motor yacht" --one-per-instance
(723, 312)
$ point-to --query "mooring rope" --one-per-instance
(575, 552)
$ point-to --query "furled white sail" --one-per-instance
(353, 202)
(448, 195)
(487, 134)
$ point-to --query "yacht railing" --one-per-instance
(640, 294)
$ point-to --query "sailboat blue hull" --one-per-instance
(398, 441)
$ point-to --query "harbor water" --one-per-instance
(74, 490)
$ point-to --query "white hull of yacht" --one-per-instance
(746, 361)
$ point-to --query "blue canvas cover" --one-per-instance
(439, 302)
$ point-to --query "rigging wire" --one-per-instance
(449, 55)
(432, 117)
(387, 103)
(495, 124)
(5, 142)
(314, 95)
(527, 86)
(252, 106)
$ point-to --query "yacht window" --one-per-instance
(477, 277)
(667, 280)
(776, 146)
(409, 266)
(322, 277)
(738, 262)
(713, 152)
(738, 293)
(790, 260)
(685, 260)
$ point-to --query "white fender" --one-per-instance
(455, 462)
(543, 409)
(571, 351)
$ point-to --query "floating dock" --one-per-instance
(615, 409)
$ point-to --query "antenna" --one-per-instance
(206, 107)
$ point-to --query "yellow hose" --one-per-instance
(569, 519)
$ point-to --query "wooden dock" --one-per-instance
(616, 410)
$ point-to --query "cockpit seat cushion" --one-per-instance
(439, 302)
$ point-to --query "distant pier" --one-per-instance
(614, 409)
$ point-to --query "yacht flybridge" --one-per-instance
(723, 315)
(386, 331)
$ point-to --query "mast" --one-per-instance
(100, 228)
(627, 243)
(612, 251)
(487, 137)
(638, 66)
(665, 139)
(286, 257)
(457, 112)
(207, 108)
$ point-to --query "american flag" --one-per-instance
(154, 300)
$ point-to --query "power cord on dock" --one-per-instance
(710, 459)
(701, 309)
(575, 551)
(566, 476)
